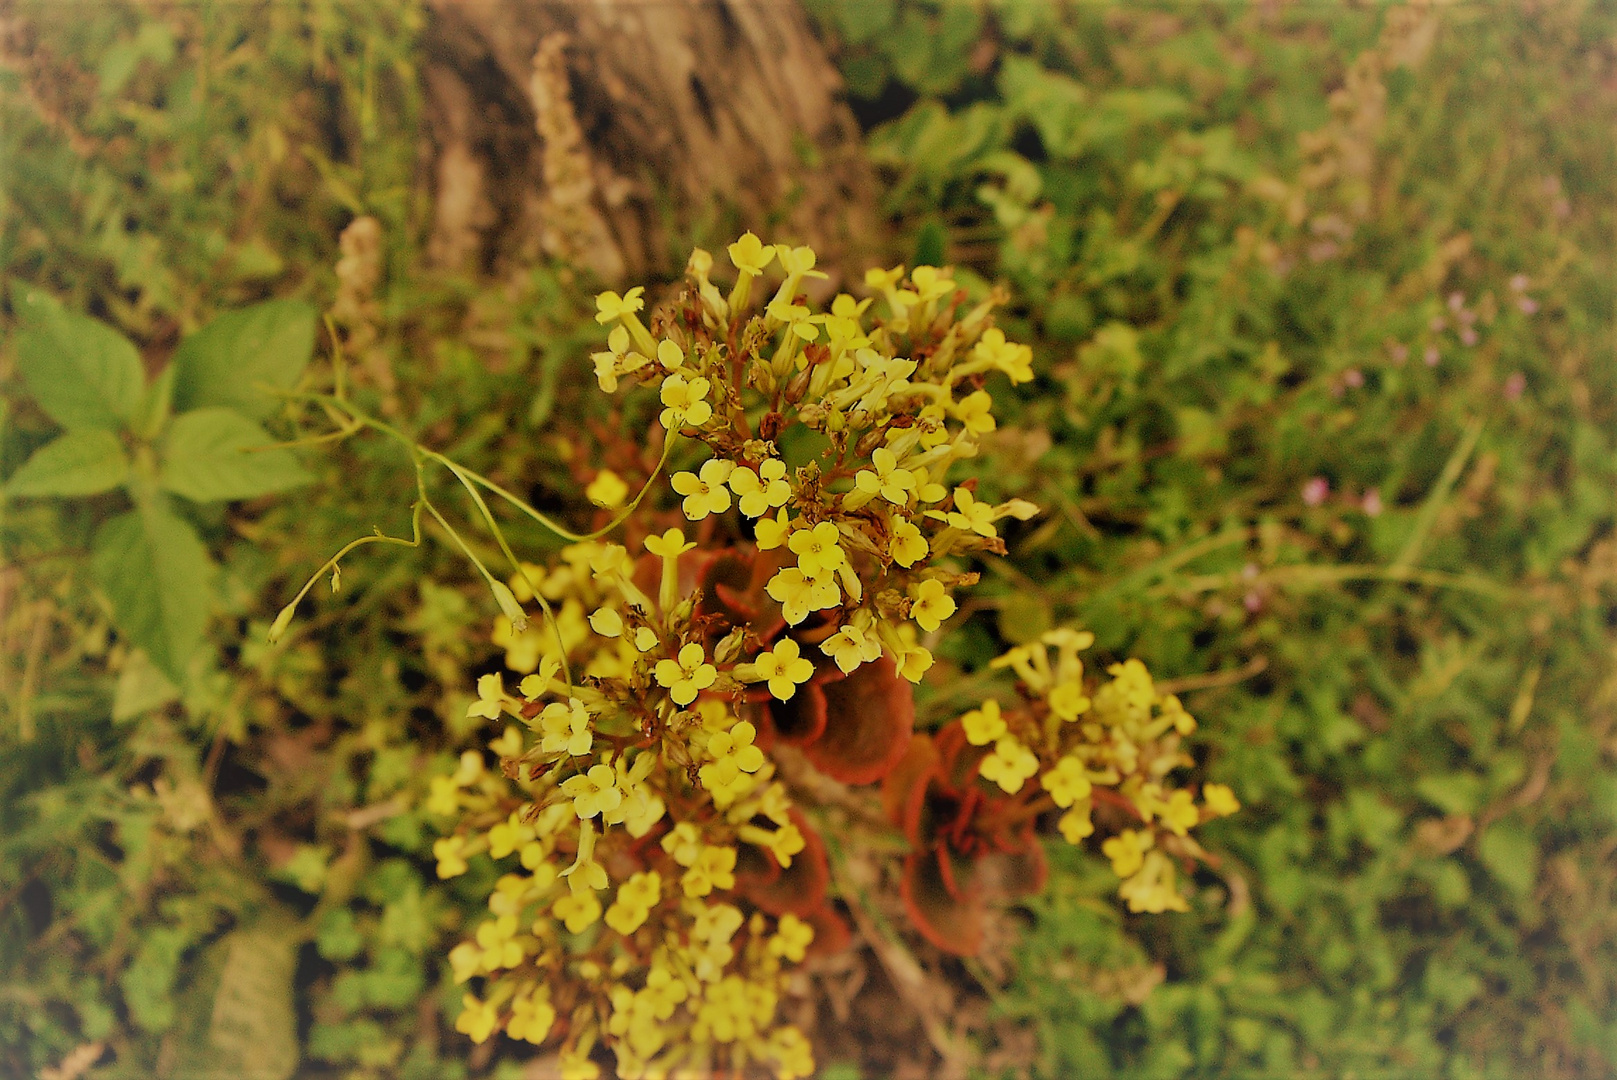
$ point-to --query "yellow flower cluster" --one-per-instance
(895, 402)
(632, 781)
(1117, 743)
(655, 964)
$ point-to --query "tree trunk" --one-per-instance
(611, 134)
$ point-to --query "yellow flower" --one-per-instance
(886, 479)
(686, 402)
(1127, 851)
(531, 1019)
(609, 305)
(1219, 799)
(736, 744)
(971, 515)
(607, 489)
(444, 799)
(909, 546)
(523, 648)
(616, 361)
(931, 283)
(508, 745)
(1179, 813)
(1075, 824)
(851, 646)
(714, 869)
(593, 792)
(470, 769)
(877, 278)
(761, 490)
(477, 1020)
(785, 842)
(818, 550)
(490, 698)
(1014, 360)
(494, 937)
(670, 356)
(799, 594)
(792, 936)
(1152, 888)
(750, 255)
(636, 898)
(466, 959)
(914, 663)
(704, 492)
(771, 532)
(683, 843)
(450, 853)
(508, 835)
(1009, 765)
(606, 622)
(670, 545)
(1068, 782)
(1067, 700)
(577, 910)
(796, 260)
(930, 604)
(784, 668)
(565, 728)
(576, 1065)
(687, 676)
(792, 1054)
(984, 725)
(975, 410)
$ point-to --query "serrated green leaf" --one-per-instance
(215, 454)
(241, 1018)
(78, 463)
(240, 358)
(82, 372)
(254, 1027)
(157, 573)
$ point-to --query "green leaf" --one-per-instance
(1509, 852)
(82, 372)
(155, 570)
(241, 357)
(213, 454)
(251, 1029)
(148, 982)
(141, 687)
(78, 463)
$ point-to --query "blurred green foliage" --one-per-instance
(1236, 232)
(1325, 301)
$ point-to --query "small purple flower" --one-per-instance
(1371, 503)
(1519, 283)
(1456, 301)
(1249, 571)
(1431, 356)
(1468, 336)
(1315, 491)
(1527, 304)
(1398, 351)
(1353, 377)
(1252, 601)
(1515, 386)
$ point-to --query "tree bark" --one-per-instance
(612, 133)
